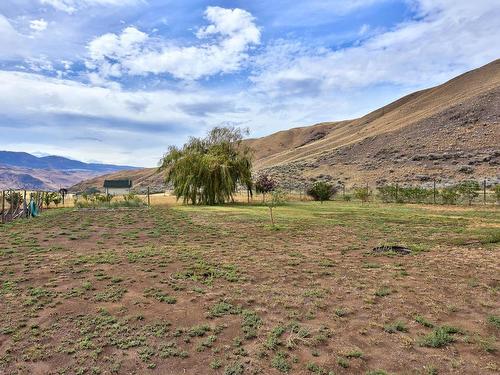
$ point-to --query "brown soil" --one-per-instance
(74, 294)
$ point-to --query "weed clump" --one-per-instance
(396, 327)
(440, 337)
(494, 320)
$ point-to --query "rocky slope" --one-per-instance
(449, 133)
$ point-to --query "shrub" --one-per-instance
(417, 194)
(347, 197)
(321, 191)
(363, 194)
(469, 190)
(449, 195)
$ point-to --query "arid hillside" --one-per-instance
(449, 132)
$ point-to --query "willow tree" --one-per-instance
(209, 170)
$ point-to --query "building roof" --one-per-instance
(118, 184)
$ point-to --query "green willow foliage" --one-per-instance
(208, 170)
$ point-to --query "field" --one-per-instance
(216, 290)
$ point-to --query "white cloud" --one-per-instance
(10, 39)
(222, 48)
(38, 25)
(451, 37)
(71, 6)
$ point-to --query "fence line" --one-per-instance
(15, 203)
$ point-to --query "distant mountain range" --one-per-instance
(21, 170)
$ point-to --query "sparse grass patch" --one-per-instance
(111, 294)
(397, 326)
(426, 323)
(159, 295)
(494, 320)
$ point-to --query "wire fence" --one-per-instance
(16, 204)
(473, 194)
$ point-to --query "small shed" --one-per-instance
(117, 187)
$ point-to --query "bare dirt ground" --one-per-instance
(197, 290)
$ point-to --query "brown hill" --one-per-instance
(448, 132)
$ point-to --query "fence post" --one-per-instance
(397, 192)
(434, 192)
(25, 206)
(3, 206)
(149, 199)
(484, 191)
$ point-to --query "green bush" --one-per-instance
(450, 195)
(363, 194)
(388, 193)
(347, 197)
(321, 191)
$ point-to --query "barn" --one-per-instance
(117, 187)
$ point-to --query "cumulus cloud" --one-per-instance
(71, 6)
(38, 25)
(57, 111)
(446, 39)
(222, 48)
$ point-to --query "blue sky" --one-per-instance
(119, 80)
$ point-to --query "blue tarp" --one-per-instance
(33, 209)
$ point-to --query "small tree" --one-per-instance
(57, 200)
(278, 197)
(321, 191)
(48, 198)
(362, 194)
(264, 185)
(469, 190)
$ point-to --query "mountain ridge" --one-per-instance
(21, 170)
(27, 160)
(449, 132)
